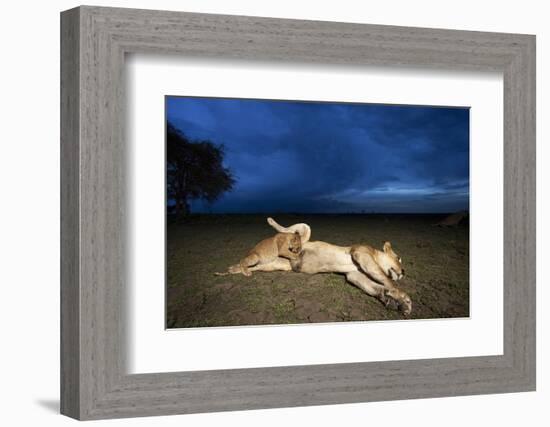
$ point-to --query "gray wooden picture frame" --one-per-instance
(94, 381)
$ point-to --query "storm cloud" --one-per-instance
(322, 157)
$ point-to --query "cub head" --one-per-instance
(390, 262)
(295, 243)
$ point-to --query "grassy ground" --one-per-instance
(435, 259)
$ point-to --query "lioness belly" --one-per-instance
(321, 257)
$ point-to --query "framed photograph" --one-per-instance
(262, 213)
(345, 173)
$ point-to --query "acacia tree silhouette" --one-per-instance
(194, 170)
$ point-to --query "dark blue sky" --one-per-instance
(317, 157)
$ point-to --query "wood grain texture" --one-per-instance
(70, 291)
(94, 381)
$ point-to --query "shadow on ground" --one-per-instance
(52, 405)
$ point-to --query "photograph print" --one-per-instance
(293, 212)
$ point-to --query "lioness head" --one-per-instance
(390, 262)
(295, 243)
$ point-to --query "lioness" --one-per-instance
(371, 270)
(281, 246)
(452, 220)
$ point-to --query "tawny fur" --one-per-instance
(282, 245)
(370, 269)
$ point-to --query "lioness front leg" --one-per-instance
(250, 261)
(370, 267)
(368, 286)
(367, 263)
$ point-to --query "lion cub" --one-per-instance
(286, 245)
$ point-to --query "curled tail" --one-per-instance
(303, 230)
(279, 228)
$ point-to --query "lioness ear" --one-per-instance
(387, 247)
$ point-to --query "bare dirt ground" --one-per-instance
(436, 261)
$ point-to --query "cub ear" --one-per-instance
(387, 247)
(297, 234)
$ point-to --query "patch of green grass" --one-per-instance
(253, 299)
(283, 311)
